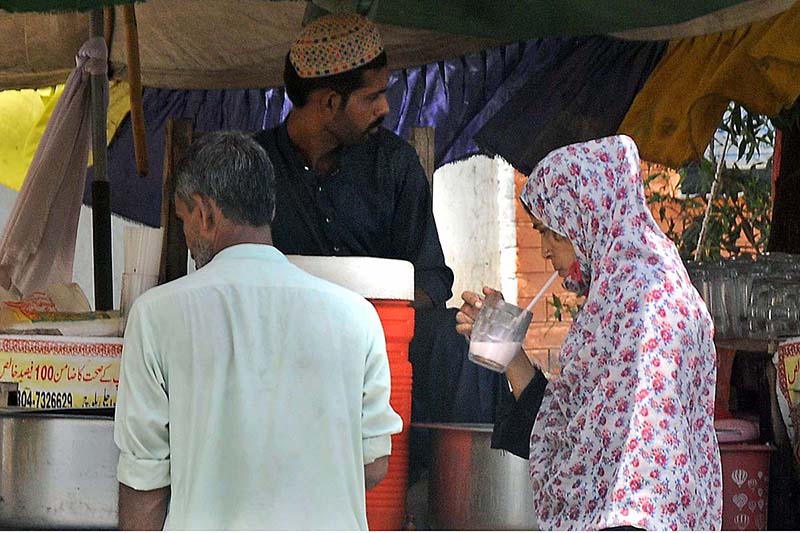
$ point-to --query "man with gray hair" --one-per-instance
(252, 395)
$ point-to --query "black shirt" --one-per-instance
(514, 419)
(376, 203)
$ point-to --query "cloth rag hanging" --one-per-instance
(676, 113)
(38, 244)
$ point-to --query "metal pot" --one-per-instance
(57, 470)
(473, 486)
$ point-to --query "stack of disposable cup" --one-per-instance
(142, 262)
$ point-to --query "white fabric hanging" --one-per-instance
(38, 244)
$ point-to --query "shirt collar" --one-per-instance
(251, 251)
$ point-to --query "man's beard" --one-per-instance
(202, 254)
(352, 136)
(368, 132)
(373, 128)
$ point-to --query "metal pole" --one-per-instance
(101, 198)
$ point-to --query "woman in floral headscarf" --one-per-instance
(624, 436)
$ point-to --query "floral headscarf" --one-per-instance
(625, 433)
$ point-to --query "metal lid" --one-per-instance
(736, 430)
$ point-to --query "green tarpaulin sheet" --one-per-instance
(47, 6)
(508, 20)
(524, 19)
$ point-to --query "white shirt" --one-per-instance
(257, 392)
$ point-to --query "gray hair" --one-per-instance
(234, 170)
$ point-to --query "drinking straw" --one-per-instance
(541, 291)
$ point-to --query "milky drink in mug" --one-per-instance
(498, 333)
(493, 355)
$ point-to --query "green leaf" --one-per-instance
(558, 306)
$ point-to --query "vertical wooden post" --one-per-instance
(776, 168)
(108, 30)
(784, 236)
(177, 137)
(135, 83)
(784, 233)
(422, 140)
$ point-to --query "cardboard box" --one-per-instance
(54, 372)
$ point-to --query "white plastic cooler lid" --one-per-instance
(371, 277)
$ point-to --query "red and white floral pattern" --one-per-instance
(625, 434)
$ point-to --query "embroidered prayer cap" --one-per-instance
(334, 44)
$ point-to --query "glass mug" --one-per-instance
(774, 308)
(498, 333)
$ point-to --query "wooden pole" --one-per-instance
(177, 138)
(108, 25)
(699, 252)
(784, 236)
(423, 142)
(101, 195)
(135, 83)
(784, 233)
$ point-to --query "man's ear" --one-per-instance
(207, 214)
(328, 101)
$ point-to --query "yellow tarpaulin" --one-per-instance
(23, 118)
(677, 111)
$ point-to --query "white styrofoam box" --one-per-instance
(371, 277)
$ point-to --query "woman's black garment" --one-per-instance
(514, 419)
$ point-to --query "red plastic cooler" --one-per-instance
(389, 285)
(386, 503)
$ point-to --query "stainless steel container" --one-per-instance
(57, 471)
(473, 486)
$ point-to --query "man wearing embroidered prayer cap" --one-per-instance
(348, 187)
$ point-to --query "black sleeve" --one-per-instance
(414, 232)
(514, 419)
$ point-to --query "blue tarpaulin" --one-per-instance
(594, 78)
